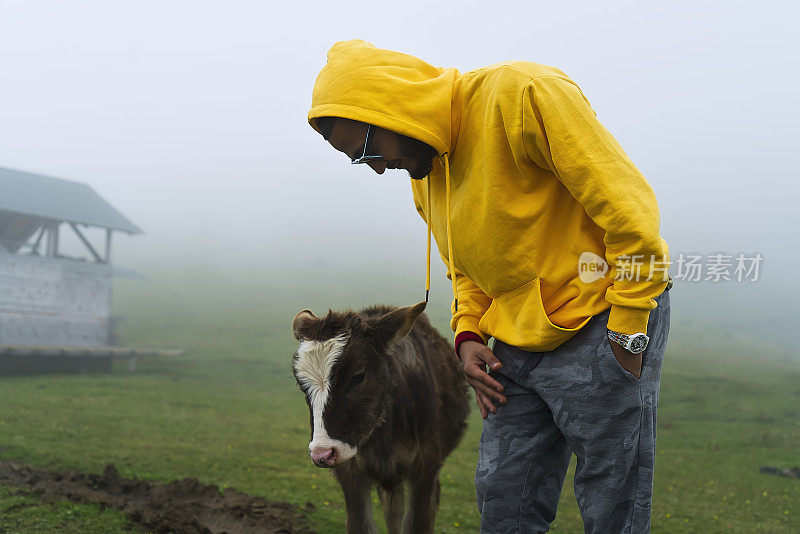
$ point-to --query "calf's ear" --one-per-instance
(301, 321)
(396, 324)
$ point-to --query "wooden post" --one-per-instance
(52, 240)
(108, 246)
(35, 246)
(86, 242)
(110, 330)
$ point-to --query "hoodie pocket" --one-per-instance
(517, 318)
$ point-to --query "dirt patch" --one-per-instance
(180, 507)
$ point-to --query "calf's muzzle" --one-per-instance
(324, 457)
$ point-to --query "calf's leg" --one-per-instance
(356, 489)
(392, 504)
(423, 503)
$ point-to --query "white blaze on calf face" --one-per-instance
(313, 365)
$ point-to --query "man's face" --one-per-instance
(396, 151)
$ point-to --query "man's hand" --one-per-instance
(475, 356)
(629, 361)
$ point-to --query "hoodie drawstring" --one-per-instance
(449, 238)
(449, 235)
(428, 262)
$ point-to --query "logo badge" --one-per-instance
(591, 267)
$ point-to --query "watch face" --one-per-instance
(638, 343)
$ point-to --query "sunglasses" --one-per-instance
(364, 158)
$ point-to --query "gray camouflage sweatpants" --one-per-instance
(576, 398)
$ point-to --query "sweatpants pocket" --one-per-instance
(609, 353)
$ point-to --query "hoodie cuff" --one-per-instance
(466, 335)
(468, 323)
(628, 320)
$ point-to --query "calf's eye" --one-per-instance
(357, 379)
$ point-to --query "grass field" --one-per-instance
(228, 411)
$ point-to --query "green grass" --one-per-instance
(21, 511)
(228, 411)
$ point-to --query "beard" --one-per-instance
(421, 170)
(421, 154)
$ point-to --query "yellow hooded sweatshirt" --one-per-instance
(526, 182)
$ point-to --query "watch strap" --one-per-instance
(619, 337)
(625, 340)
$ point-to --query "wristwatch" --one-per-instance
(634, 343)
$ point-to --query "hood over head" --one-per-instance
(389, 89)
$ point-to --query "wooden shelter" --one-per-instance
(52, 305)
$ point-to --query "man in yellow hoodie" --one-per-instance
(550, 235)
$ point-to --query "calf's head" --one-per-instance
(342, 367)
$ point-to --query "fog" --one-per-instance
(190, 118)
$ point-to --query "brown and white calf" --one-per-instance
(388, 404)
